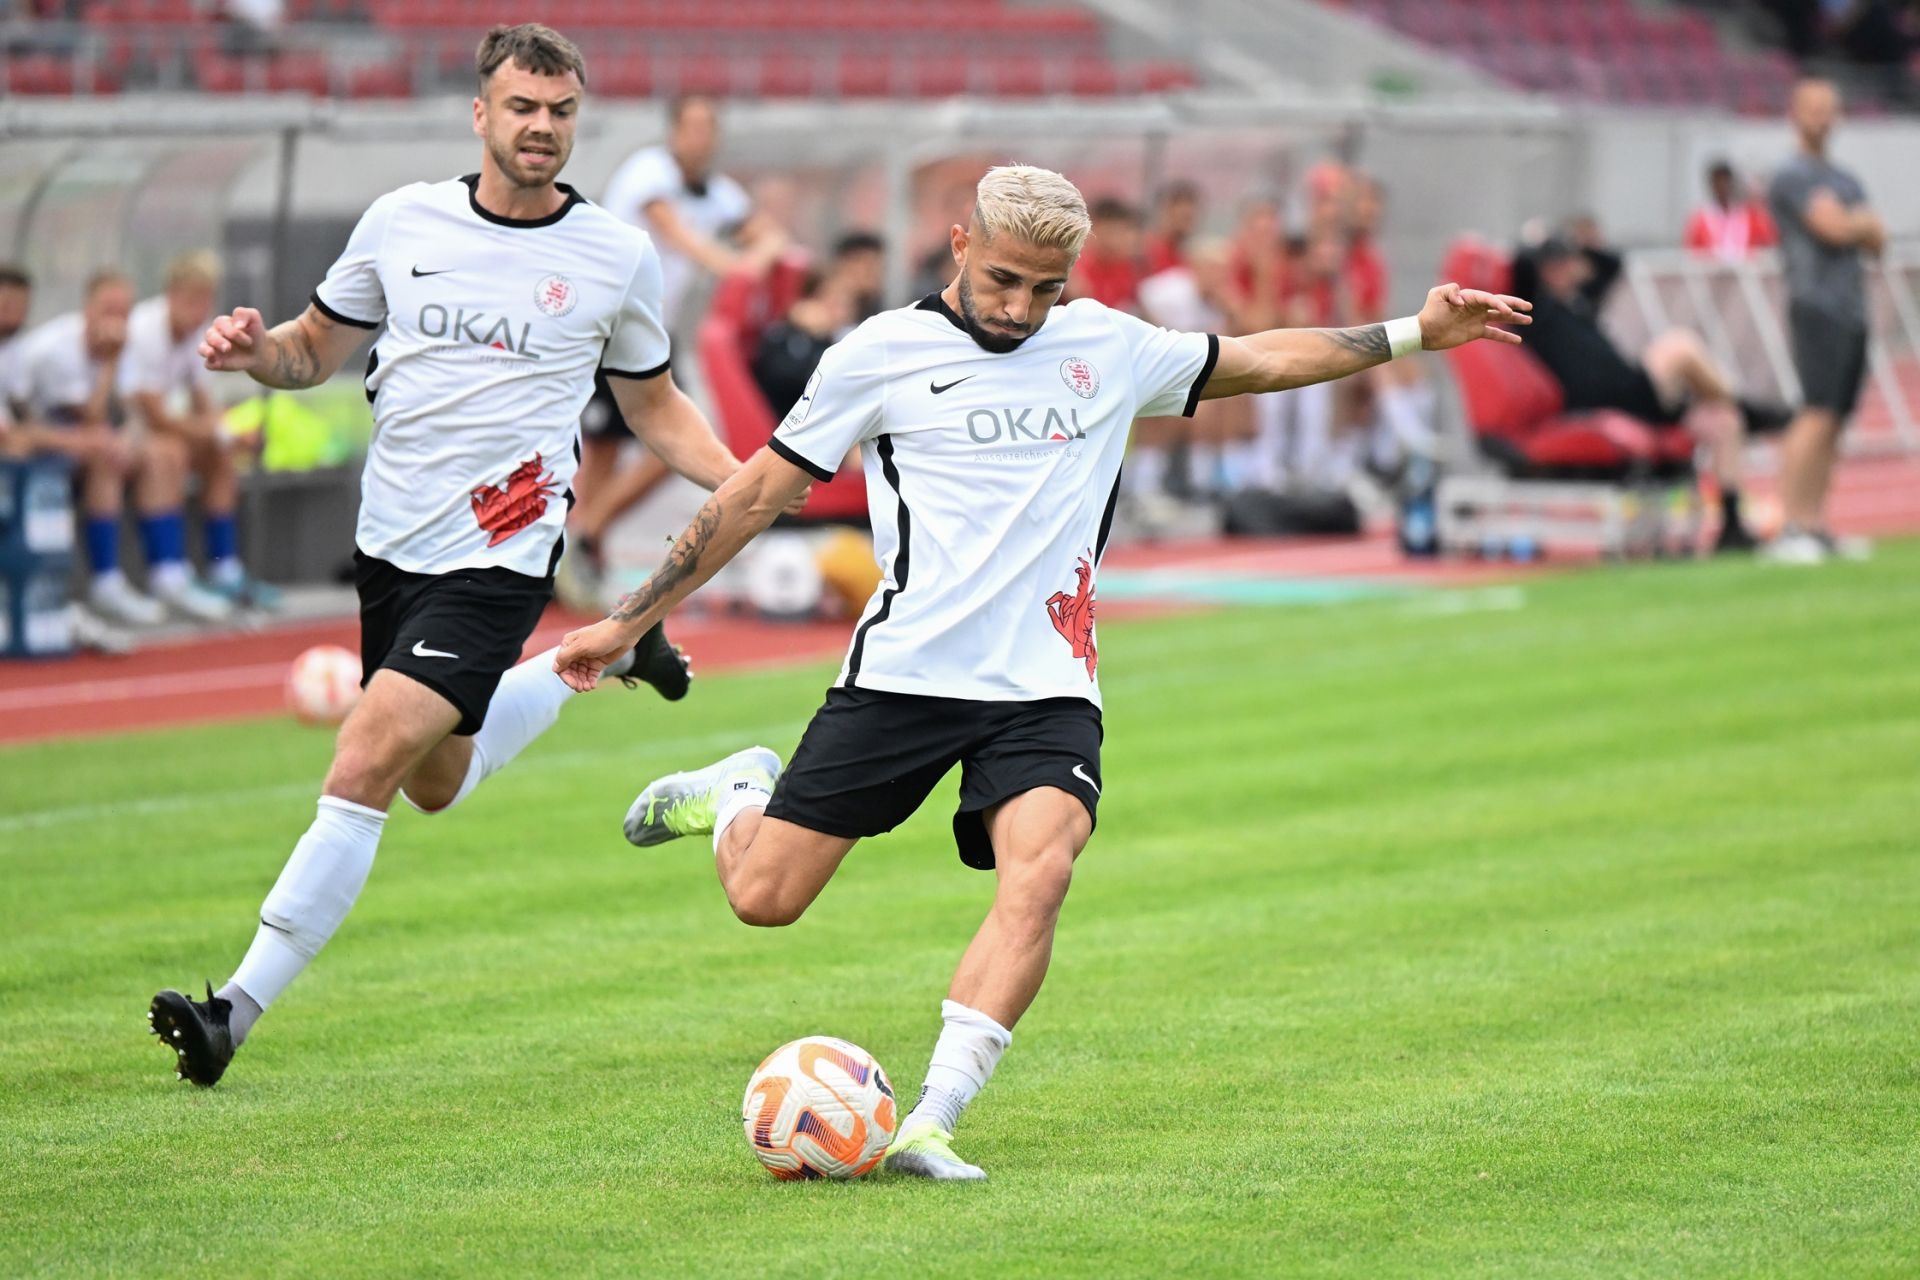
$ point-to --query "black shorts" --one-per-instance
(456, 633)
(869, 759)
(1831, 358)
(602, 419)
(1628, 389)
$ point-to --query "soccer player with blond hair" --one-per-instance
(992, 427)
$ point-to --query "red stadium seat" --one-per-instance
(746, 423)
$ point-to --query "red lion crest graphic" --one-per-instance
(507, 509)
(1072, 615)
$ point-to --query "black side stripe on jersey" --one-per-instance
(1106, 522)
(560, 543)
(807, 465)
(641, 376)
(337, 318)
(373, 363)
(1206, 371)
(892, 473)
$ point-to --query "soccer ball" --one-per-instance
(819, 1108)
(323, 684)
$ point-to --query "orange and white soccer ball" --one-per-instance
(819, 1108)
(323, 684)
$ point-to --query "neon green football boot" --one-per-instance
(922, 1149)
(687, 804)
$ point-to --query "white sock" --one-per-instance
(1145, 471)
(1203, 468)
(964, 1057)
(228, 572)
(110, 580)
(1408, 413)
(171, 576)
(524, 706)
(312, 896)
(738, 801)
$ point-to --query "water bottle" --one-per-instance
(1419, 524)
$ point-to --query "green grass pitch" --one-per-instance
(1578, 939)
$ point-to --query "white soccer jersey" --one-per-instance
(52, 372)
(652, 173)
(494, 327)
(991, 480)
(156, 362)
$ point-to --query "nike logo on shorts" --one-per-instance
(420, 650)
(1080, 772)
(937, 388)
(417, 272)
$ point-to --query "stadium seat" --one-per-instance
(746, 423)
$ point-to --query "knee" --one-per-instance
(1034, 891)
(763, 906)
(365, 771)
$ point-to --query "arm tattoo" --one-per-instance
(295, 363)
(1366, 340)
(681, 563)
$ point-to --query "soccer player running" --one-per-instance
(501, 293)
(993, 428)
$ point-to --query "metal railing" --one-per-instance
(1739, 310)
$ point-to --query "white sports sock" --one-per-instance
(1145, 471)
(110, 580)
(1203, 468)
(228, 572)
(737, 802)
(1408, 413)
(524, 706)
(964, 1057)
(312, 896)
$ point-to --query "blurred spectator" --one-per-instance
(1366, 267)
(1733, 223)
(693, 214)
(1676, 381)
(702, 222)
(790, 348)
(1176, 216)
(1261, 265)
(167, 388)
(1201, 296)
(1108, 269)
(858, 272)
(16, 301)
(65, 383)
(1825, 228)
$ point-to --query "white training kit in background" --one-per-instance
(154, 362)
(494, 327)
(652, 173)
(991, 480)
(51, 371)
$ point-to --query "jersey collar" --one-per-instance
(473, 201)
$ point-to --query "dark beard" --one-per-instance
(505, 159)
(985, 339)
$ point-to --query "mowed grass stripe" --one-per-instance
(1579, 939)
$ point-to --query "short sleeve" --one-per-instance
(144, 359)
(1788, 195)
(638, 347)
(351, 293)
(646, 176)
(1170, 368)
(840, 407)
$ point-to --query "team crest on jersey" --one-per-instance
(555, 296)
(1081, 378)
(505, 509)
(1072, 615)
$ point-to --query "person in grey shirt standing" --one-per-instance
(1825, 227)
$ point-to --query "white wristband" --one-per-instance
(1403, 336)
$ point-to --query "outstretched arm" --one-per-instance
(739, 510)
(1281, 359)
(303, 352)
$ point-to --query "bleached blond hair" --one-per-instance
(1031, 204)
(196, 266)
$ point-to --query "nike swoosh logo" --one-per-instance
(420, 650)
(1080, 772)
(937, 388)
(417, 272)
